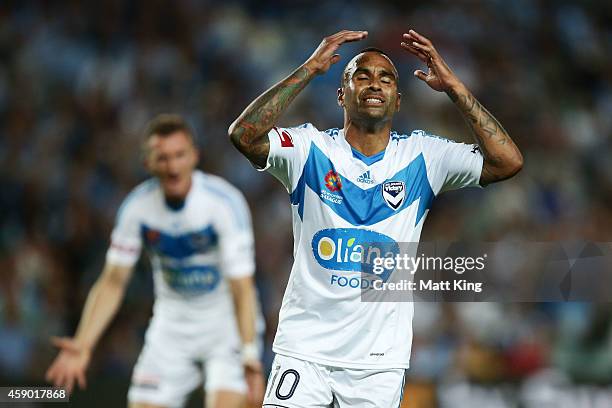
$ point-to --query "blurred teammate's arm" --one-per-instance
(101, 306)
(249, 133)
(245, 304)
(502, 158)
(238, 265)
(103, 300)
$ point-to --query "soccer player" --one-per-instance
(348, 187)
(197, 230)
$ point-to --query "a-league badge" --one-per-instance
(394, 193)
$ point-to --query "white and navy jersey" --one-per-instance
(192, 249)
(341, 201)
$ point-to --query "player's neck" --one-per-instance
(368, 140)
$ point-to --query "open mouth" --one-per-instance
(173, 178)
(373, 101)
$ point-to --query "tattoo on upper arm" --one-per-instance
(255, 149)
(259, 150)
(487, 176)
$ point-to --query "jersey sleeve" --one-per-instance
(455, 165)
(236, 243)
(289, 149)
(126, 241)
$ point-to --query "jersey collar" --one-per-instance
(367, 160)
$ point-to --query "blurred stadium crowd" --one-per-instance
(78, 81)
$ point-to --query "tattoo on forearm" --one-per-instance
(479, 118)
(490, 134)
(261, 115)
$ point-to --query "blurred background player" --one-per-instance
(351, 187)
(197, 230)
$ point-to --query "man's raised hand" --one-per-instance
(439, 76)
(325, 54)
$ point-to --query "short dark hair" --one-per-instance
(344, 79)
(374, 49)
(164, 125)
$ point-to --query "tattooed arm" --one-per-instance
(502, 158)
(249, 133)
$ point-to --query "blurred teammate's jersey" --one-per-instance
(341, 202)
(192, 249)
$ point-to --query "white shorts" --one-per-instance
(170, 366)
(295, 383)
